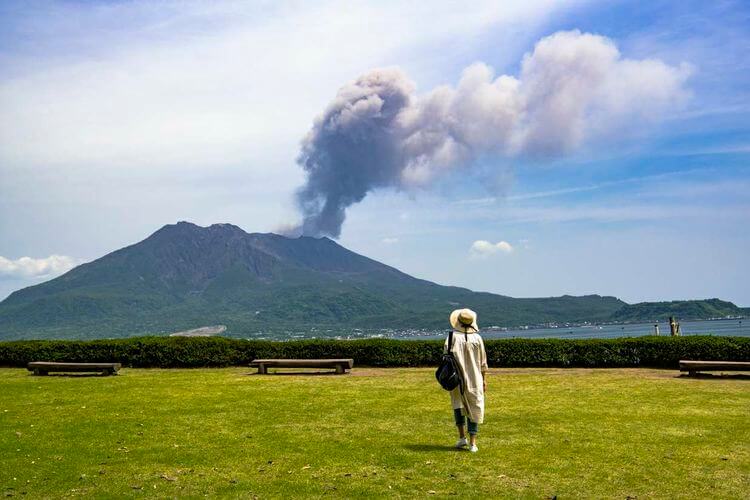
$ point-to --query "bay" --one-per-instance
(720, 327)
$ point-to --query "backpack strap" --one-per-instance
(450, 349)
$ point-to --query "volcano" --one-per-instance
(186, 276)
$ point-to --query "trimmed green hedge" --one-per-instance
(182, 352)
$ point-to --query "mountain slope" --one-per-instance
(185, 276)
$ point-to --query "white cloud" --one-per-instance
(28, 267)
(122, 105)
(483, 248)
(205, 84)
(574, 90)
(389, 241)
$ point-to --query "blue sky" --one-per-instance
(119, 117)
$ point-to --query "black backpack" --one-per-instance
(448, 375)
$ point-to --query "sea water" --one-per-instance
(722, 327)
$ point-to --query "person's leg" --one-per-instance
(473, 431)
(460, 422)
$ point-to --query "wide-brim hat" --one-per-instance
(464, 321)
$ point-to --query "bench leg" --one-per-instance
(262, 370)
(39, 372)
(692, 373)
(340, 369)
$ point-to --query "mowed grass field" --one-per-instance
(602, 433)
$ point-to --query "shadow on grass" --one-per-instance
(306, 374)
(712, 376)
(73, 375)
(429, 448)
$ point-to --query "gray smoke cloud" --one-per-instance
(573, 89)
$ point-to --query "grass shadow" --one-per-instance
(429, 448)
(306, 374)
(74, 375)
(712, 376)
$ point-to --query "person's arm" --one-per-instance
(484, 366)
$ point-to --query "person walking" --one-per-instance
(471, 360)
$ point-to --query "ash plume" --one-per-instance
(573, 89)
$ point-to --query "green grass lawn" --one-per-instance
(602, 433)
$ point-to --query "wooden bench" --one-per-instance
(693, 367)
(44, 367)
(341, 365)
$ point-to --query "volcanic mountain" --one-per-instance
(185, 276)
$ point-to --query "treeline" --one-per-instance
(183, 352)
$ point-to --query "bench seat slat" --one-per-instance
(44, 367)
(55, 364)
(303, 363)
(686, 365)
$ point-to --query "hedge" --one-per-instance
(183, 352)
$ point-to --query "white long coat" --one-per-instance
(468, 350)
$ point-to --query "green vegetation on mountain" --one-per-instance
(185, 276)
(681, 309)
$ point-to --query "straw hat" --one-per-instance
(464, 319)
